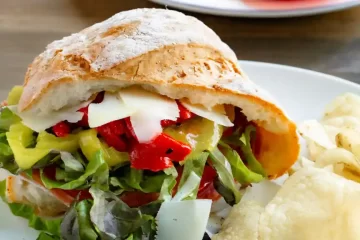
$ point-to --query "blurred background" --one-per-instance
(328, 43)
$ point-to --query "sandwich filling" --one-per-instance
(127, 153)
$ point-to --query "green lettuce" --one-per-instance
(7, 118)
(96, 174)
(225, 177)
(47, 236)
(239, 170)
(195, 165)
(244, 142)
(50, 226)
(115, 220)
(134, 179)
(6, 155)
(168, 185)
(77, 224)
(245, 145)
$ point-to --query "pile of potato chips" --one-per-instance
(334, 141)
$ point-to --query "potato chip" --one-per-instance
(349, 174)
(301, 163)
(332, 131)
(314, 149)
(312, 130)
(309, 199)
(338, 156)
(343, 105)
(350, 122)
(349, 140)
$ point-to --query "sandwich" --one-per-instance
(143, 118)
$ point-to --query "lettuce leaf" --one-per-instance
(51, 226)
(240, 171)
(134, 179)
(245, 145)
(96, 174)
(195, 165)
(71, 164)
(77, 224)
(7, 118)
(168, 184)
(71, 168)
(244, 142)
(225, 177)
(6, 155)
(46, 236)
(115, 220)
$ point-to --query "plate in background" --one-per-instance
(302, 93)
(260, 8)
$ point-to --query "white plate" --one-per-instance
(260, 8)
(302, 93)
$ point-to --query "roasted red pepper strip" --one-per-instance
(116, 142)
(158, 154)
(111, 133)
(112, 128)
(61, 129)
(84, 122)
(129, 130)
(169, 147)
(184, 114)
(167, 122)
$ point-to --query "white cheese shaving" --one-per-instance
(150, 109)
(217, 114)
(110, 109)
(183, 220)
(146, 126)
(153, 103)
(40, 123)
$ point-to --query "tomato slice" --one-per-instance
(58, 193)
(209, 192)
(66, 196)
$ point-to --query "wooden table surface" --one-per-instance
(327, 43)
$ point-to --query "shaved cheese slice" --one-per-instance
(151, 102)
(216, 114)
(146, 126)
(40, 123)
(150, 109)
(110, 109)
(183, 220)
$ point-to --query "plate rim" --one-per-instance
(259, 13)
(324, 76)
